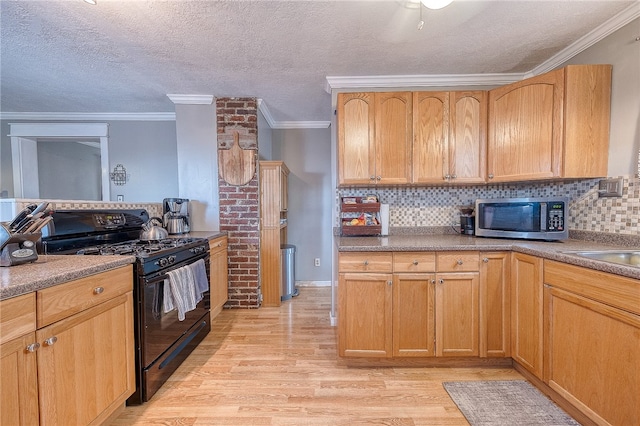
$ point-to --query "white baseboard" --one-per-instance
(313, 283)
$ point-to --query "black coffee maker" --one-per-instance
(467, 221)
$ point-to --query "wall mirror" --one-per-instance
(67, 161)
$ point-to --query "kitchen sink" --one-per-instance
(623, 257)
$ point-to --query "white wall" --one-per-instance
(265, 139)
(307, 154)
(621, 50)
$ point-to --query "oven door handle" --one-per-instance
(156, 279)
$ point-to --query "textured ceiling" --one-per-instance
(126, 56)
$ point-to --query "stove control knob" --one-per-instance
(172, 259)
(163, 261)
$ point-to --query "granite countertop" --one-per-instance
(454, 242)
(210, 235)
(50, 270)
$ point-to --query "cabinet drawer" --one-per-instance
(365, 262)
(414, 262)
(217, 245)
(61, 301)
(458, 261)
(610, 289)
(17, 316)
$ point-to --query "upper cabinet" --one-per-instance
(449, 137)
(549, 126)
(374, 138)
(554, 125)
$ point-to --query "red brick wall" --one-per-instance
(239, 212)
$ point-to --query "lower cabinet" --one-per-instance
(526, 312)
(415, 304)
(219, 273)
(75, 364)
(592, 342)
(495, 304)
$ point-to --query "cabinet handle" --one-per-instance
(490, 176)
(459, 262)
(447, 177)
(415, 262)
(33, 347)
(98, 290)
(440, 281)
(51, 341)
(378, 177)
(453, 176)
(372, 178)
(366, 263)
(389, 282)
(433, 281)
(485, 259)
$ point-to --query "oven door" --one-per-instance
(159, 330)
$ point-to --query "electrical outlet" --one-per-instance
(316, 261)
(120, 197)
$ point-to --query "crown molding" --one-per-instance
(191, 99)
(104, 116)
(612, 25)
(434, 80)
(262, 107)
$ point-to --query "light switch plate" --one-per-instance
(610, 188)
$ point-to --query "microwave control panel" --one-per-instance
(555, 216)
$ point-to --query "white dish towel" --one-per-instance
(185, 288)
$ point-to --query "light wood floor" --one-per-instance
(278, 366)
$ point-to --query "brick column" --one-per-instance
(239, 212)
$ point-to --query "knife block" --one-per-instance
(17, 249)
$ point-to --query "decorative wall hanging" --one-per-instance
(237, 165)
(119, 175)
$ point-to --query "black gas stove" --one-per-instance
(163, 340)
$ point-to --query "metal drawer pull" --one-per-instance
(366, 263)
(433, 281)
(389, 282)
(415, 262)
(485, 259)
(98, 290)
(441, 281)
(459, 262)
(33, 347)
(51, 341)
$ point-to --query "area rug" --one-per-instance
(507, 402)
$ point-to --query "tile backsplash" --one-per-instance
(438, 206)
(9, 207)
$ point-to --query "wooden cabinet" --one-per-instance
(18, 367)
(374, 138)
(449, 137)
(365, 305)
(526, 312)
(592, 341)
(552, 125)
(457, 289)
(414, 304)
(273, 228)
(78, 366)
(218, 280)
(495, 306)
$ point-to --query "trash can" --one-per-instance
(288, 255)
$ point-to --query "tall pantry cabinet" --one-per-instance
(274, 176)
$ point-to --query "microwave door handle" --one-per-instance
(543, 216)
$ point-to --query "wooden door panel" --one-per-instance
(457, 327)
(356, 151)
(393, 135)
(430, 162)
(413, 315)
(467, 136)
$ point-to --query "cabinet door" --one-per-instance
(457, 314)
(85, 364)
(526, 312)
(525, 129)
(593, 354)
(495, 306)
(18, 382)
(364, 315)
(356, 151)
(430, 149)
(218, 274)
(393, 135)
(467, 136)
(413, 315)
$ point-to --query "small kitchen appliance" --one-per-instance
(543, 218)
(176, 215)
(467, 221)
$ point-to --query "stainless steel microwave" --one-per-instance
(528, 218)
